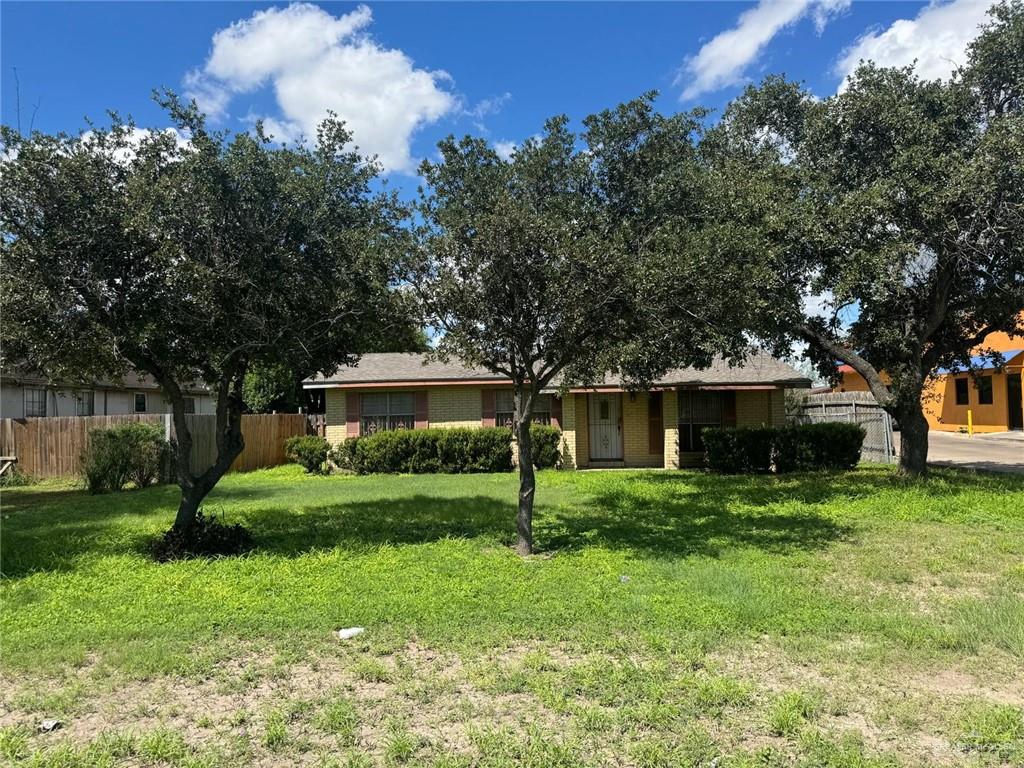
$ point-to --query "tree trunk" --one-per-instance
(913, 438)
(188, 508)
(527, 486)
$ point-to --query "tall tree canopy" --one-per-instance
(201, 260)
(899, 204)
(570, 258)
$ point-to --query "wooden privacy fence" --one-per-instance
(53, 446)
(853, 407)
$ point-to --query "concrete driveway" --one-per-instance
(998, 452)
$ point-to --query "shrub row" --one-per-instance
(452, 451)
(792, 448)
(309, 451)
(133, 452)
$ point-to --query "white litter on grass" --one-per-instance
(49, 725)
(349, 632)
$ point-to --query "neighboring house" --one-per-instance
(992, 395)
(602, 425)
(26, 396)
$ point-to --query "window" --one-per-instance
(140, 402)
(984, 390)
(697, 410)
(504, 409)
(387, 410)
(84, 403)
(961, 391)
(190, 404)
(35, 402)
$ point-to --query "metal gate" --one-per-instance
(851, 407)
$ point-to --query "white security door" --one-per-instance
(605, 427)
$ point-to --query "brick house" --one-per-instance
(603, 425)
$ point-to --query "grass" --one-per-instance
(667, 619)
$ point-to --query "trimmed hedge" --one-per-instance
(792, 448)
(739, 450)
(309, 451)
(547, 446)
(423, 451)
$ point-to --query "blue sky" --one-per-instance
(406, 74)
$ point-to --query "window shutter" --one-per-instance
(421, 409)
(487, 407)
(352, 414)
(728, 409)
(655, 425)
(556, 412)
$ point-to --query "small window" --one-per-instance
(85, 403)
(190, 404)
(35, 402)
(961, 391)
(140, 402)
(387, 410)
(985, 390)
(505, 409)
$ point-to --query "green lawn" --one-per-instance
(668, 619)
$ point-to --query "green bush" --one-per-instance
(16, 478)
(421, 451)
(546, 445)
(826, 445)
(739, 450)
(793, 448)
(309, 451)
(135, 452)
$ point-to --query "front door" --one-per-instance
(606, 427)
(1013, 395)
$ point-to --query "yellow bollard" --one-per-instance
(970, 423)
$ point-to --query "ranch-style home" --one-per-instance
(28, 396)
(603, 425)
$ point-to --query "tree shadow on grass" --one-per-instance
(655, 514)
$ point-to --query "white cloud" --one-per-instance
(936, 38)
(504, 149)
(315, 62)
(135, 138)
(723, 60)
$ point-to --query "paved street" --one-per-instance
(999, 452)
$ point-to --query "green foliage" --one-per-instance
(997, 729)
(739, 450)
(792, 448)
(790, 711)
(16, 478)
(825, 445)
(308, 451)
(135, 452)
(547, 445)
(419, 451)
(270, 387)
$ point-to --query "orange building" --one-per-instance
(992, 396)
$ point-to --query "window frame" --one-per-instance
(135, 402)
(25, 402)
(505, 417)
(961, 390)
(189, 401)
(81, 397)
(690, 438)
(986, 396)
(392, 418)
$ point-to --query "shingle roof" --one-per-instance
(392, 367)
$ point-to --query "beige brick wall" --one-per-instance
(757, 408)
(582, 430)
(454, 407)
(568, 426)
(670, 411)
(636, 432)
(334, 402)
